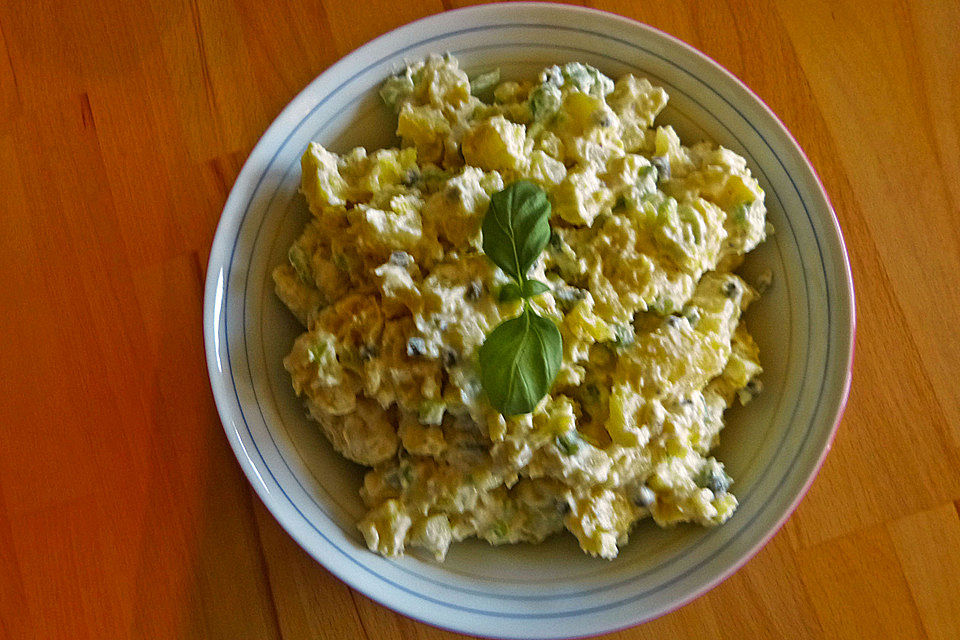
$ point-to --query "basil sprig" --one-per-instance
(520, 358)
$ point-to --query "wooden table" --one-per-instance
(122, 127)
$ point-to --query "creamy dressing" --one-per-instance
(396, 296)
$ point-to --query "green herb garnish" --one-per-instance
(568, 443)
(520, 358)
(516, 228)
(484, 83)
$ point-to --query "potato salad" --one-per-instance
(396, 296)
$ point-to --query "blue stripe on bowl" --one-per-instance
(554, 595)
(399, 586)
(622, 568)
(319, 506)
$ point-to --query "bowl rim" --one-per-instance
(214, 301)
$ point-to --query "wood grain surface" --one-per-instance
(122, 127)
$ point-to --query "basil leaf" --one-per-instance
(519, 361)
(516, 227)
(510, 292)
(532, 288)
(520, 358)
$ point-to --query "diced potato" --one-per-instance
(637, 103)
(385, 528)
(544, 170)
(302, 299)
(495, 145)
(601, 520)
(320, 179)
(426, 129)
(581, 196)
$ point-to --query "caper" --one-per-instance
(416, 347)
(400, 259)
(662, 163)
(713, 477)
(474, 290)
(449, 357)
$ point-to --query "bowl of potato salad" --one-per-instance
(529, 321)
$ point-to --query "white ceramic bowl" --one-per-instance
(773, 448)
